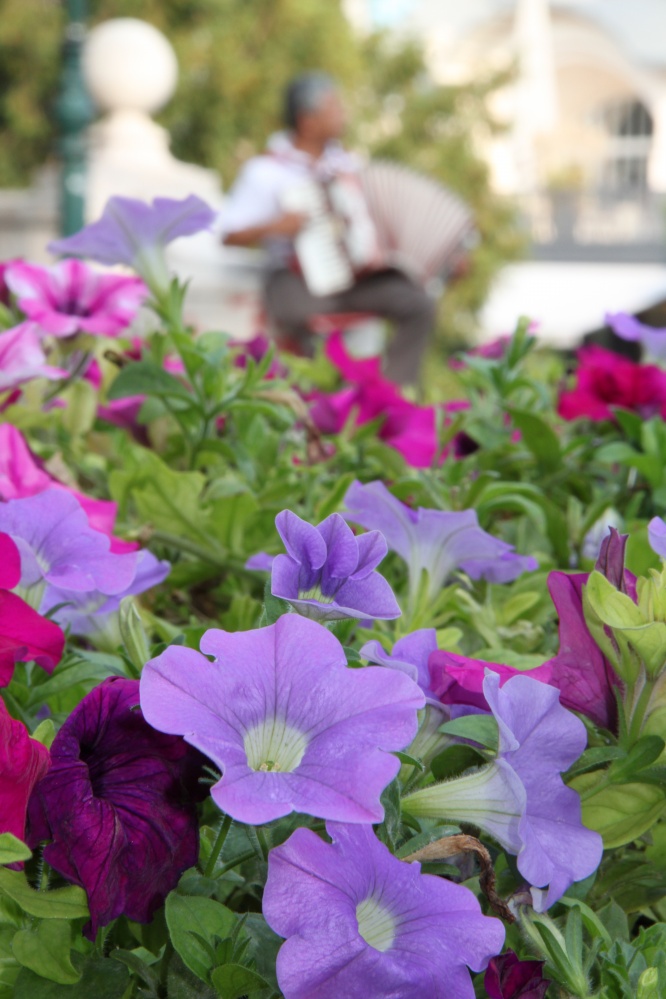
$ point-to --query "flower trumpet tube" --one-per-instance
(519, 798)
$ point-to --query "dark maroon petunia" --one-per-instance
(118, 806)
(509, 978)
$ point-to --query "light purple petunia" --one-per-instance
(71, 297)
(118, 806)
(434, 541)
(361, 923)
(22, 357)
(63, 559)
(134, 233)
(657, 536)
(627, 327)
(93, 612)
(290, 726)
(520, 798)
(409, 655)
(328, 573)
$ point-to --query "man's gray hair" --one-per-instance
(304, 93)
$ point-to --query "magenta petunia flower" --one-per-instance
(409, 428)
(117, 806)
(290, 726)
(458, 680)
(22, 358)
(520, 798)
(328, 573)
(134, 233)
(71, 297)
(605, 380)
(361, 923)
(434, 541)
(509, 978)
(24, 634)
(23, 762)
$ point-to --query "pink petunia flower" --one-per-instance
(23, 762)
(22, 357)
(71, 297)
(409, 428)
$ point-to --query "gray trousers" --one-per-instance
(389, 294)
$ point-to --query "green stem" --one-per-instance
(638, 712)
(217, 846)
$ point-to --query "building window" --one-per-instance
(628, 125)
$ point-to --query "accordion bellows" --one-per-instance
(422, 226)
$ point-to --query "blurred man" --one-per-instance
(255, 213)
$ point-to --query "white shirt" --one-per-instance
(257, 196)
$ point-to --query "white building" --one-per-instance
(585, 146)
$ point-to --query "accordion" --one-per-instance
(387, 215)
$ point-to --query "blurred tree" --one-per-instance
(235, 57)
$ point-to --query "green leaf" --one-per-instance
(641, 755)
(476, 728)
(410, 761)
(620, 814)
(13, 849)
(61, 903)
(539, 438)
(594, 758)
(455, 760)
(389, 830)
(192, 916)
(45, 949)
(146, 378)
(100, 978)
(233, 981)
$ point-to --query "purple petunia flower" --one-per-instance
(361, 923)
(64, 560)
(409, 655)
(93, 613)
(134, 233)
(290, 726)
(22, 357)
(657, 536)
(118, 806)
(627, 327)
(509, 978)
(71, 296)
(520, 798)
(434, 541)
(328, 573)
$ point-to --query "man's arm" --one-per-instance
(289, 224)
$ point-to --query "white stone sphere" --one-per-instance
(129, 65)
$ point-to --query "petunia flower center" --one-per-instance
(315, 593)
(376, 924)
(274, 746)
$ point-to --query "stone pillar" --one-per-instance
(131, 72)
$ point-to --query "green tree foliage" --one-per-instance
(235, 57)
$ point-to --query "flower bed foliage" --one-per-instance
(309, 690)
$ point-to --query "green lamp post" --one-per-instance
(74, 112)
